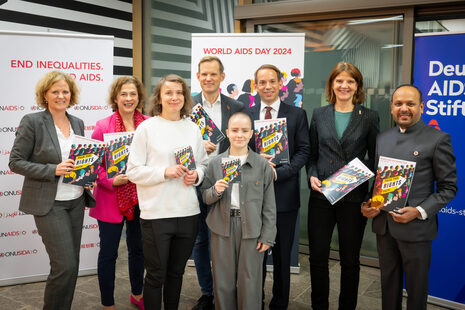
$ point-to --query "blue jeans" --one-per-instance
(201, 251)
(110, 235)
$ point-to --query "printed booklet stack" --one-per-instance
(345, 180)
(271, 139)
(392, 184)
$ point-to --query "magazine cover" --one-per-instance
(87, 155)
(206, 125)
(117, 153)
(392, 184)
(345, 180)
(271, 138)
(185, 156)
(231, 169)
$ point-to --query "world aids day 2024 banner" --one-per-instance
(241, 55)
(439, 73)
(24, 59)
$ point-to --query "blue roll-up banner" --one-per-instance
(439, 72)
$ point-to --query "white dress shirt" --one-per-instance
(214, 111)
(66, 191)
(274, 114)
(274, 109)
(235, 196)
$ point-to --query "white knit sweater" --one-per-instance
(152, 151)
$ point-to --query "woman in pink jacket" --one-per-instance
(116, 197)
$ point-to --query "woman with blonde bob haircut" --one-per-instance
(40, 154)
(339, 132)
(117, 201)
(167, 196)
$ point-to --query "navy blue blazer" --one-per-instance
(229, 106)
(287, 184)
(328, 153)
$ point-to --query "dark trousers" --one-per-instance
(167, 245)
(201, 252)
(61, 230)
(322, 217)
(110, 235)
(397, 257)
(285, 223)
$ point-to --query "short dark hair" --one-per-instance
(268, 66)
(231, 88)
(343, 66)
(235, 114)
(211, 58)
(155, 100)
(408, 85)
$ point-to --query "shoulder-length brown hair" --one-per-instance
(155, 100)
(116, 88)
(359, 96)
(46, 82)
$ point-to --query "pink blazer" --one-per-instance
(106, 209)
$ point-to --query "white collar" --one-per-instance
(217, 101)
(274, 105)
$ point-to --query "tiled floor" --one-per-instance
(87, 296)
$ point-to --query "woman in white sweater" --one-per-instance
(167, 198)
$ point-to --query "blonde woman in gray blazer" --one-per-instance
(40, 154)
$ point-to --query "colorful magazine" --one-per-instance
(271, 139)
(117, 153)
(392, 184)
(87, 155)
(231, 169)
(345, 180)
(207, 127)
(185, 156)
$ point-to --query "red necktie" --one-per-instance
(268, 112)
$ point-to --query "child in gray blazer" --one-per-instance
(242, 220)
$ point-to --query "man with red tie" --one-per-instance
(286, 176)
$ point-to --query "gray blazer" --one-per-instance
(432, 151)
(258, 206)
(35, 155)
(228, 107)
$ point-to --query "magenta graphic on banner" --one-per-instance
(439, 73)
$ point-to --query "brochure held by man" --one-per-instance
(392, 184)
(209, 130)
(271, 139)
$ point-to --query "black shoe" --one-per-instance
(204, 303)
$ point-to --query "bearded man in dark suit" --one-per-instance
(404, 238)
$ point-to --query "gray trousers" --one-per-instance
(237, 270)
(61, 230)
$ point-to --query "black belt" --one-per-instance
(235, 212)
